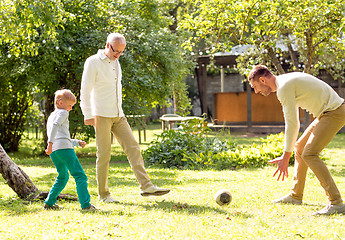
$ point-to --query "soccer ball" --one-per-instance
(223, 197)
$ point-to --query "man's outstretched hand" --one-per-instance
(282, 165)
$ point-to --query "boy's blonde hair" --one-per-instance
(64, 94)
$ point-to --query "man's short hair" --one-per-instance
(258, 71)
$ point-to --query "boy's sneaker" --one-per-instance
(54, 207)
(154, 191)
(90, 208)
(109, 199)
(331, 209)
(288, 199)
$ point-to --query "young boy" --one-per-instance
(61, 151)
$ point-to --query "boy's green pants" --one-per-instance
(66, 160)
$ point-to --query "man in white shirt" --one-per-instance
(296, 90)
(101, 104)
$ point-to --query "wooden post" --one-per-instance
(221, 78)
(249, 105)
(139, 133)
(204, 85)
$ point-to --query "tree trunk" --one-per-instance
(310, 50)
(275, 61)
(293, 57)
(20, 182)
(15, 177)
(310, 55)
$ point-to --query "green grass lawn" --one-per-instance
(187, 212)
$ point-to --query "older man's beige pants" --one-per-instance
(307, 149)
(123, 133)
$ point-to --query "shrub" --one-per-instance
(189, 148)
(173, 147)
(251, 156)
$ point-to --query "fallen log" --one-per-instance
(21, 183)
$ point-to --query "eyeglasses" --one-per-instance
(117, 52)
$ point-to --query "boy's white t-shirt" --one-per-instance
(58, 130)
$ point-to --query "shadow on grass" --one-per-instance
(318, 205)
(17, 207)
(184, 207)
(339, 171)
(14, 206)
(338, 141)
(172, 206)
(192, 209)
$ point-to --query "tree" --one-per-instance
(57, 37)
(310, 25)
(15, 177)
(22, 22)
(15, 99)
(333, 61)
(313, 26)
(154, 66)
(47, 43)
(59, 60)
(316, 25)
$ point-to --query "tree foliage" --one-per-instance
(55, 37)
(152, 52)
(24, 20)
(15, 100)
(312, 26)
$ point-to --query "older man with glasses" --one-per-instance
(101, 104)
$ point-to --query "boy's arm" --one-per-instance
(82, 144)
(49, 149)
(76, 142)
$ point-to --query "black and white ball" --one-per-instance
(223, 197)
